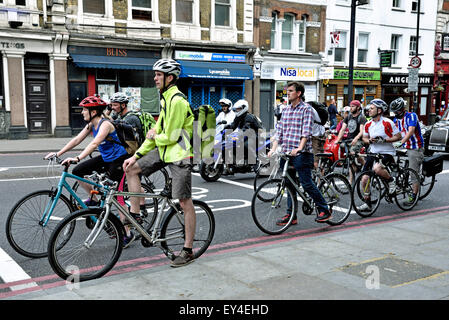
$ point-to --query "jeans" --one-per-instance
(303, 164)
(333, 123)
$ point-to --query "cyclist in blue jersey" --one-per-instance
(412, 139)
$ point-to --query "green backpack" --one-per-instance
(204, 118)
(147, 121)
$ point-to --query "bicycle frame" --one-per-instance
(63, 184)
(293, 182)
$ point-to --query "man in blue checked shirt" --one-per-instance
(294, 135)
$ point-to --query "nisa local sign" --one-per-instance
(295, 73)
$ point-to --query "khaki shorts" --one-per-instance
(318, 144)
(181, 173)
(357, 147)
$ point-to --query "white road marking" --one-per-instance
(10, 271)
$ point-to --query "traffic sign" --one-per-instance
(413, 79)
(415, 62)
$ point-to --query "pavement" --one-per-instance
(405, 257)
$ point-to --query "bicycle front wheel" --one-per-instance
(272, 201)
(337, 192)
(367, 193)
(173, 229)
(342, 166)
(73, 257)
(404, 189)
(25, 230)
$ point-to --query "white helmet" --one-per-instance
(168, 66)
(240, 107)
(225, 102)
(119, 97)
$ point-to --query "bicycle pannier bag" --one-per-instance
(432, 165)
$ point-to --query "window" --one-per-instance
(412, 46)
(340, 50)
(94, 6)
(184, 11)
(302, 35)
(287, 32)
(222, 12)
(141, 10)
(396, 3)
(273, 29)
(362, 48)
(395, 38)
(21, 3)
(415, 6)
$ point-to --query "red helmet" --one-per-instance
(93, 102)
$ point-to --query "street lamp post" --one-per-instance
(354, 4)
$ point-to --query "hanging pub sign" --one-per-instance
(385, 58)
(445, 42)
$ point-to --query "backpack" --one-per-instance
(128, 136)
(146, 120)
(322, 111)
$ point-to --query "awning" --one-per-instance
(215, 70)
(108, 62)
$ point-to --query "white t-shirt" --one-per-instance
(317, 129)
(384, 128)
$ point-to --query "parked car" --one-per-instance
(436, 136)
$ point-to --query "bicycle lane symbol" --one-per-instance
(216, 205)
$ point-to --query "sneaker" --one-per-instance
(183, 259)
(364, 207)
(128, 240)
(283, 221)
(91, 203)
(410, 200)
(391, 187)
(323, 216)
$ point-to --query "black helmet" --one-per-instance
(397, 104)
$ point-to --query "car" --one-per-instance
(437, 135)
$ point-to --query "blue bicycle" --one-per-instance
(33, 218)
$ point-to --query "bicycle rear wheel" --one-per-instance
(367, 193)
(427, 184)
(173, 229)
(337, 192)
(72, 259)
(342, 166)
(24, 230)
(404, 189)
(270, 203)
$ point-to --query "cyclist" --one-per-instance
(380, 133)
(168, 144)
(225, 115)
(119, 104)
(294, 135)
(412, 139)
(355, 123)
(112, 154)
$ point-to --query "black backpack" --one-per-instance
(322, 111)
(127, 134)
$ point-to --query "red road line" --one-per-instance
(257, 242)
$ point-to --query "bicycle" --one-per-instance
(367, 197)
(275, 197)
(346, 165)
(32, 219)
(94, 251)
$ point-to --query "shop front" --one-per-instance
(366, 86)
(104, 71)
(275, 76)
(396, 85)
(206, 77)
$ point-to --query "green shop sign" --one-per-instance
(343, 74)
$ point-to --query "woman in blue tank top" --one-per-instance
(112, 154)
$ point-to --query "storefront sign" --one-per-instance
(445, 42)
(402, 79)
(12, 45)
(291, 73)
(326, 73)
(210, 56)
(113, 52)
(343, 74)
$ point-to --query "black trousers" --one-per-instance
(114, 169)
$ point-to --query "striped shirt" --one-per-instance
(296, 122)
(410, 119)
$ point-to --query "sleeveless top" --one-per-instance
(109, 150)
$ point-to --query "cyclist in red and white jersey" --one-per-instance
(380, 133)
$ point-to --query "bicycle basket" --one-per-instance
(432, 165)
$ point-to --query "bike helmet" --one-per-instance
(380, 104)
(240, 107)
(93, 102)
(119, 97)
(168, 66)
(397, 105)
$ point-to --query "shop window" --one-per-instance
(94, 6)
(21, 3)
(287, 32)
(371, 89)
(184, 11)
(362, 51)
(76, 74)
(222, 12)
(106, 75)
(340, 50)
(141, 10)
(139, 86)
